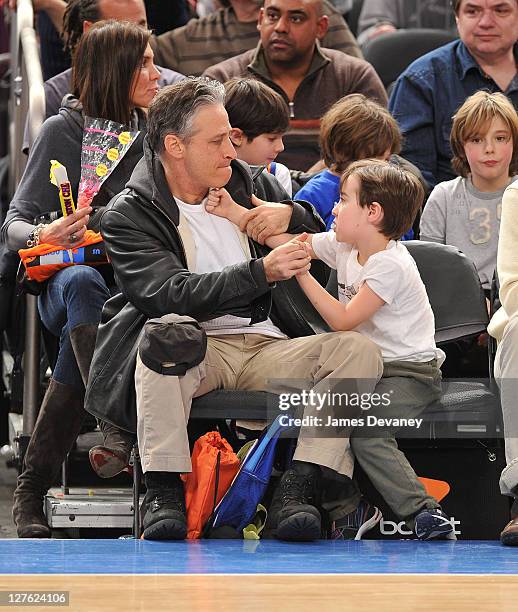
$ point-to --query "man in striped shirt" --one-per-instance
(231, 31)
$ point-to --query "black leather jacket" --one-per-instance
(140, 230)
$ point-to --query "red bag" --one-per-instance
(214, 466)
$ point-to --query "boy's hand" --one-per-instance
(220, 203)
(286, 261)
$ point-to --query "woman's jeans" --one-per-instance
(74, 296)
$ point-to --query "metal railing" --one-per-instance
(26, 102)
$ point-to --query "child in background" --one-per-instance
(353, 128)
(259, 118)
(465, 212)
(382, 296)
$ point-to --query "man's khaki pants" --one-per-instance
(249, 362)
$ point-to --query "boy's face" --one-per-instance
(350, 217)
(261, 150)
(489, 155)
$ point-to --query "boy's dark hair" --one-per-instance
(398, 191)
(357, 128)
(255, 108)
(474, 118)
(105, 64)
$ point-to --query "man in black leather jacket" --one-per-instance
(204, 307)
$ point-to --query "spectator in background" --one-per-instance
(230, 31)
(117, 85)
(259, 118)
(310, 78)
(353, 128)
(77, 19)
(465, 212)
(382, 16)
(504, 327)
(429, 92)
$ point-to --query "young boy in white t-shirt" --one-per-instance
(380, 295)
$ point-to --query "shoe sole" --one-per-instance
(166, 529)
(35, 531)
(301, 527)
(105, 463)
(509, 539)
(368, 525)
(441, 532)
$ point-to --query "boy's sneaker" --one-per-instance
(355, 524)
(432, 523)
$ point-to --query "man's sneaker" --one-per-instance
(293, 505)
(355, 524)
(432, 523)
(165, 517)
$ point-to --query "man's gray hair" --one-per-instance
(174, 107)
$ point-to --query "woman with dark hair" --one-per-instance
(114, 78)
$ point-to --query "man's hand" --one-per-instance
(68, 231)
(220, 203)
(265, 220)
(383, 28)
(286, 261)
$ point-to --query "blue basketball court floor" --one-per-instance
(128, 556)
(221, 575)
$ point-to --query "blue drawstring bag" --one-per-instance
(239, 504)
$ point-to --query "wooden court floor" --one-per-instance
(401, 593)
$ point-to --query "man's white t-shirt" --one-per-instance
(404, 326)
(217, 246)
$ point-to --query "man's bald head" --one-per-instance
(316, 6)
(290, 29)
(123, 10)
(80, 14)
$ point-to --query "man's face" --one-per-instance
(124, 10)
(488, 28)
(209, 151)
(289, 29)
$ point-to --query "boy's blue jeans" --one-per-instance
(73, 296)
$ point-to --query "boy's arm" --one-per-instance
(220, 203)
(341, 317)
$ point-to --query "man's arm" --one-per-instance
(411, 104)
(507, 258)
(366, 81)
(377, 17)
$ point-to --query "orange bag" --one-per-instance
(44, 260)
(214, 466)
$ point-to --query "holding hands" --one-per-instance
(287, 260)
